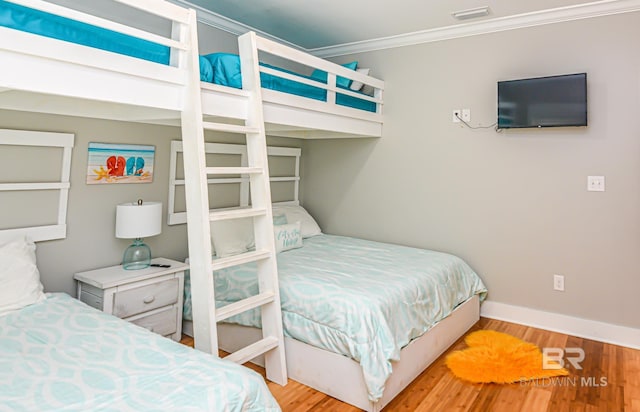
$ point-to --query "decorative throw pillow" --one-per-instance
(295, 213)
(280, 220)
(321, 75)
(287, 236)
(226, 69)
(232, 237)
(356, 85)
(19, 276)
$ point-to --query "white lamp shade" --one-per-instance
(137, 221)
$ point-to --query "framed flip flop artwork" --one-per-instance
(120, 163)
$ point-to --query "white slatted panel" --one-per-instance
(42, 139)
(176, 218)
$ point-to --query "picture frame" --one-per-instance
(110, 163)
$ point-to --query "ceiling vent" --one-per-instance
(471, 13)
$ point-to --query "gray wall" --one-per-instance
(91, 241)
(513, 204)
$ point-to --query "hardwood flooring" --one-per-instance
(608, 381)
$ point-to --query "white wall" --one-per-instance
(513, 204)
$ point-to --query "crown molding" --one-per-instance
(538, 18)
(228, 25)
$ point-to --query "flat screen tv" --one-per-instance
(543, 102)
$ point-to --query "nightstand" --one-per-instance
(151, 297)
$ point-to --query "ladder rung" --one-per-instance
(240, 259)
(234, 170)
(236, 213)
(244, 305)
(258, 348)
(231, 128)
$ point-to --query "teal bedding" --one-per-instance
(362, 299)
(49, 25)
(226, 72)
(219, 68)
(61, 354)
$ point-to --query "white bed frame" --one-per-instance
(82, 81)
(341, 377)
(310, 365)
(41, 139)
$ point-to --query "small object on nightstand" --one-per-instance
(151, 298)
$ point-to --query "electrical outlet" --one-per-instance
(457, 114)
(466, 115)
(558, 283)
(595, 183)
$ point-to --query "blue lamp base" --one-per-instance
(137, 256)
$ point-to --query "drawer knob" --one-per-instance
(149, 299)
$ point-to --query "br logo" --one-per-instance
(554, 358)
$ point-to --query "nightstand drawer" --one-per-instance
(163, 323)
(145, 298)
(91, 300)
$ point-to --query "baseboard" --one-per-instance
(569, 325)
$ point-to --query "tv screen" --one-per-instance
(543, 102)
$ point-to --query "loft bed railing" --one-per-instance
(149, 92)
(34, 63)
(333, 72)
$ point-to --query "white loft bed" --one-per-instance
(46, 75)
(334, 374)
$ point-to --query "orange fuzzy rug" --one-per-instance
(500, 358)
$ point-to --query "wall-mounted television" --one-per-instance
(551, 101)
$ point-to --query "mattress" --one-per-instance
(62, 355)
(362, 299)
(219, 68)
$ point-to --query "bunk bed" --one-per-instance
(378, 313)
(51, 62)
(58, 353)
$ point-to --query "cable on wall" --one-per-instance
(494, 125)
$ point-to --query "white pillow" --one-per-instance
(356, 85)
(19, 276)
(287, 236)
(232, 237)
(295, 213)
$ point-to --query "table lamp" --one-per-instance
(136, 221)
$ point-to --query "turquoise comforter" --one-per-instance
(363, 299)
(61, 354)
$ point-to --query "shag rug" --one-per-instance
(499, 358)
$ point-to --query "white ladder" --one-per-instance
(196, 172)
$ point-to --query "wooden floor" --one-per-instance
(609, 381)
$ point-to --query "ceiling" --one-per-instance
(326, 23)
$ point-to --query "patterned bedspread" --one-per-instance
(363, 299)
(62, 355)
